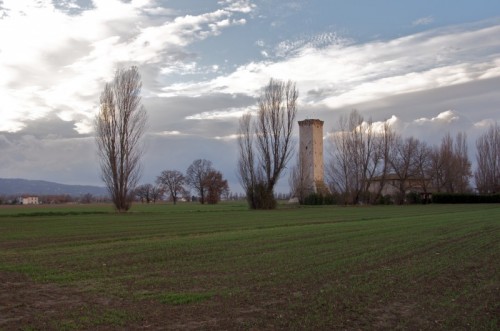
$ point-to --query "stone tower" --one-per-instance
(311, 155)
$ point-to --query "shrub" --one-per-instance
(319, 199)
(260, 197)
(465, 198)
(385, 200)
(413, 198)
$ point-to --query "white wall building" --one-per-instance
(30, 200)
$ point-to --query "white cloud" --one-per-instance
(430, 130)
(220, 114)
(433, 129)
(444, 117)
(393, 122)
(423, 21)
(230, 137)
(485, 124)
(295, 47)
(171, 133)
(48, 64)
(242, 6)
(340, 75)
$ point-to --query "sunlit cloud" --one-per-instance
(444, 117)
(49, 65)
(484, 124)
(393, 123)
(170, 133)
(222, 114)
(228, 137)
(340, 75)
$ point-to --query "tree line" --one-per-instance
(119, 126)
(365, 158)
(54, 199)
(359, 156)
(208, 184)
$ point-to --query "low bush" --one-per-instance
(465, 198)
(319, 199)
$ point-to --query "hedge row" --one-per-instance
(319, 199)
(465, 198)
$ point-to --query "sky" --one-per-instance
(427, 67)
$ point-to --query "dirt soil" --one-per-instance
(29, 305)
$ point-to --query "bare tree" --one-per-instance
(445, 155)
(196, 175)
(299, 185)
(87, 198)
(119, 126)
(461, 165)
(265, 144)
(157, 192)
(144, 193)
(423, 168)
(246, 161)
(451, 168)
(403, 161)
(366, 155)
(487, 174)
(385, 145)
(338, 168)
(355, 158)
(172, 181)
(215, 186)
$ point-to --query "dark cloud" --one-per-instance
(169, 114)
(50, 126)
(64, 160)
(467, 99)
(68, 52)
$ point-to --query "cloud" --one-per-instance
(295, 47)
(434, 128)
(423, 21)
(485, 124)
(448, 116)
(349, 74)
(424, 84)
(230, 137)
(63, 160)
(241, 6)
(171, 133)
(220, 114)
(48, 65)
(431, 129)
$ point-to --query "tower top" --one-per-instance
(311, 122)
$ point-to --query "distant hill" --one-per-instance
(17, 186)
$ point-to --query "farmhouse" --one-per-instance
(392, 184)
(29, 200)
